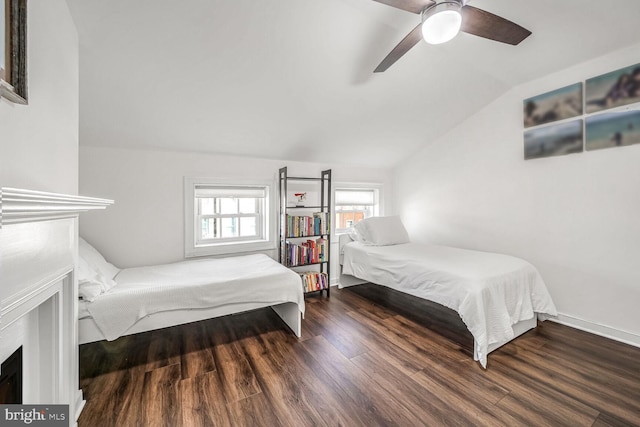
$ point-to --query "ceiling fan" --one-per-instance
(443, 19)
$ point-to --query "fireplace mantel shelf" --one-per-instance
(20, 206)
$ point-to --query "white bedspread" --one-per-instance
(197, 284)
(491, 292)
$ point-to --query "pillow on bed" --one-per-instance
(96, 261)
(90, 289)
(91, 284)
(382, 231)
(356, 233)
(95, 274)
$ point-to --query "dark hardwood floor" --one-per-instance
(362, 361)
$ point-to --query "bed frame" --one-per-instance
(289, 312)
(346, 280)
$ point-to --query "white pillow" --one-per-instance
(84, 272)
(95, 274)
(383, 231)
(90, 289)
(96, 261)
(356, 233)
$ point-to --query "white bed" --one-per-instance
(498, 297)
(148, 298)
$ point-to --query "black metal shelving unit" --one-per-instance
(323, 182)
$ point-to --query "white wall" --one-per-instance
(145, 226)
(39, 151)
(574, 217)
(39, 142)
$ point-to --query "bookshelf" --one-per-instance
(305, 228)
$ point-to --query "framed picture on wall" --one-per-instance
(613, 129)
(620, 87)
(554, 140)
(558, 104)
(13, 50)
(3, 42)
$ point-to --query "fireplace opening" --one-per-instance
(11, 379)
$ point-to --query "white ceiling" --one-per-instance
(292, 79)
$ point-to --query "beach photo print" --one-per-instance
(614, 129)
(558, 104)
(554, 140)
(620, 87)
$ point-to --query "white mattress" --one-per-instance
(491, 292)
(202, 283)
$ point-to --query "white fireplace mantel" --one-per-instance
(19, 206)
(38, 292)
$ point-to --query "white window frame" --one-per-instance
(378, 206)
(194, 246)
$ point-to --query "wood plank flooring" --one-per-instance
(368, 357)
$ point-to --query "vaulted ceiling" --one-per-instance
(292, 79)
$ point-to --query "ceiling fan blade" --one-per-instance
(484, 24)
(414, 6)
(403, 47)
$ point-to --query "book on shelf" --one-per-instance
(314, 281)
(303, 226)
(308, 252)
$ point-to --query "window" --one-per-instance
(225, 218)
(353, 205)
(13, 50)
(229, 213)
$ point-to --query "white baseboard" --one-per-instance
(597, 329)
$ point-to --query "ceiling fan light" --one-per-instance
(441, 22)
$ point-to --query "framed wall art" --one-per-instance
(614, 89)
(558, 104)
(13, 50)
(614, 129)
(553, 140)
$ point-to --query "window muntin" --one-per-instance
(353, 205)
